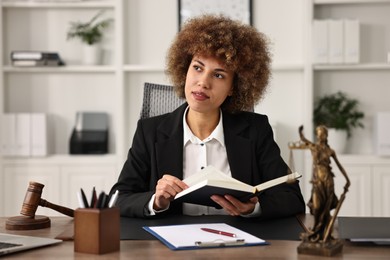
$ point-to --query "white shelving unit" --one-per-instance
(368, 66)
(370, 179)
(368, 81)
(60, 93)
(65, 69)
(114, 87)
(35, 89)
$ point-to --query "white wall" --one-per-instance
(284, 100)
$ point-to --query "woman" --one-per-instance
(221, 67)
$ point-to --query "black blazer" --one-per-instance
(253, 156)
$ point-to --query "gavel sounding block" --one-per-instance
(27, 223)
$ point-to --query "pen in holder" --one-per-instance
(96, 231)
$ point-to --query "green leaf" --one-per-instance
(90, 32)
(338, 111)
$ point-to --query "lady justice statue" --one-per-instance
(319, 240)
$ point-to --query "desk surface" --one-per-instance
(153, 249)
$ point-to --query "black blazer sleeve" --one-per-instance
(134, 180)
(254, 157)
(157, 149)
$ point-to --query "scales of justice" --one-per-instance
(318, 240)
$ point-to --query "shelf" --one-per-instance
(367, 66)
(287, 67)
(62, 159)
(143, 68)
(325, 2)
(58, 5)
(363, 159)
(146, 68)
(62, 69)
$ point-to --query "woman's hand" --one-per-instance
(167, 188)
(235, 207)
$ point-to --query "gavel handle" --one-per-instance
(67, 211)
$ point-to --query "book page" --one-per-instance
(277, 181)
(228, 187)
(210, 173)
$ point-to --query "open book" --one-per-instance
(210, 181)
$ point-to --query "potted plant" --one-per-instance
(340, 114)
(90, 33)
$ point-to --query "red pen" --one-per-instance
(219, 232)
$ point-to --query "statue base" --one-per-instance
(331, 248)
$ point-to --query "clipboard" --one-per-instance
(191, 236)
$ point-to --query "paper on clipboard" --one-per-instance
(191, 236)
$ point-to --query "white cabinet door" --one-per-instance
(358, 201)
(102, 177)
(16, 181)
(381, 192)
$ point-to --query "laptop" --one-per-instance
(15, 243)
(365, 229)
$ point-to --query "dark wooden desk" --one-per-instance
(153, 249)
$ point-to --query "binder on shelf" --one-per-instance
(39, 134)
(320, 41)
(381, 133)
(35, 58)
(336, 46)
(23, 134)
(8, 138)
(33, 55)
(37, 63)
(90, 134)
(351, 41)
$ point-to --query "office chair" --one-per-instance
(159, 99)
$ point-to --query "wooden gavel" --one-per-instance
(30, 204)
(33, 199)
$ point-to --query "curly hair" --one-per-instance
(238, 46)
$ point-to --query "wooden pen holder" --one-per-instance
(96, 231)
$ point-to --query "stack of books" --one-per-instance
(35, 59)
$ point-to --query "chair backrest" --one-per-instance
(159, 99)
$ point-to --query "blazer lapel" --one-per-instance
(169, 144)
(238, 147)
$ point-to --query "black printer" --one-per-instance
(90, 134)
